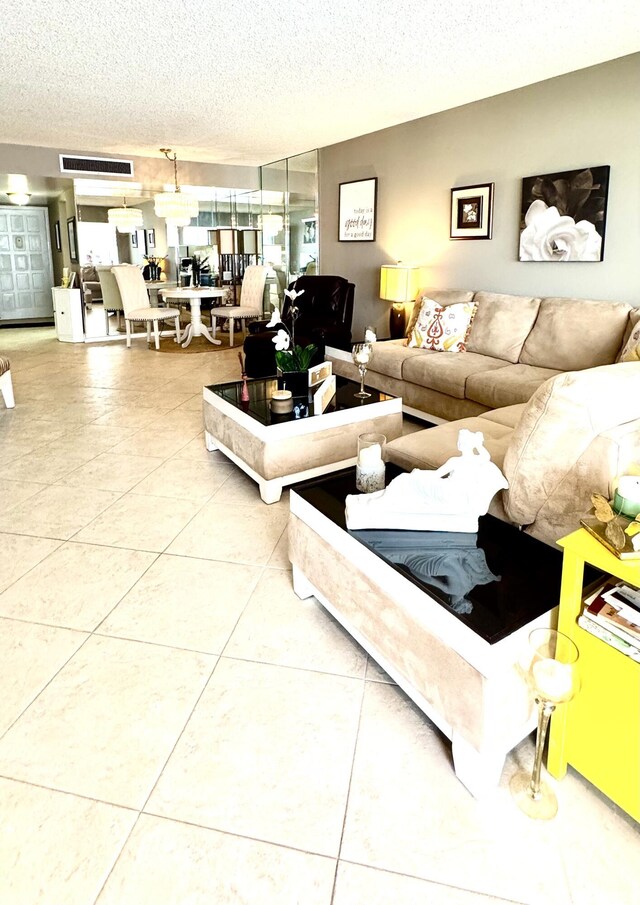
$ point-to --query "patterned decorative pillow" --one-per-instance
(631, 351)
(442, 329)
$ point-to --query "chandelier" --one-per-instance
(177, 208)
(125, 219)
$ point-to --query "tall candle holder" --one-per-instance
(361, 354)
(553, 677)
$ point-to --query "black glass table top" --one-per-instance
(261, 389)
(494, 581)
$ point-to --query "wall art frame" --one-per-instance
(472, 211)
(151, 238)
(357, 202)
(563, 215)
(57, 235)
(73, 240)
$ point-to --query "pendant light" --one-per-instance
(178, 208)
(19, 197)
(272, 223)
(125, 219)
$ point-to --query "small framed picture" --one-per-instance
(472, 212)
(309, 227)
(134, 239)
(324, 394)
(151, 238)
(58, 236)
(320, 372)
(357, 210)
(73, 240)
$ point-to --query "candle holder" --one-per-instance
(552, 675)
(361, 354)
(370, 467)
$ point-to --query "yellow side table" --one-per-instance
(598, 732)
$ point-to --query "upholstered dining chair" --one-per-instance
(6, 385)
(250, 305)
(137, 308)
(111, 301)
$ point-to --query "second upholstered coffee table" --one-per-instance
(278, 450)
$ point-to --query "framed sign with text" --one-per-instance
(357, 210)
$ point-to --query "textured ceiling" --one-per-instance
(253, 81)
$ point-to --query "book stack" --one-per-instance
(612, 613)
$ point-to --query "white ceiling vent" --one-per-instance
(97, 166)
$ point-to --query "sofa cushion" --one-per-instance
(432, 447)
(448, 371)
(560, 421)
(502, 324)
(443, 297)
(389, 357)
(573, 334)
(508, 386)
(442, 329)
(510, 415)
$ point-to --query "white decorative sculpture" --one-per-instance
(448, 499)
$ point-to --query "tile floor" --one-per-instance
(176, 726)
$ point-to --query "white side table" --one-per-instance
(67, 314)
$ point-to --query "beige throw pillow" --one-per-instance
(441, 329)
(631, 351)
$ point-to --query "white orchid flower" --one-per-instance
(275, 318)
(292, 294)
(281, 340)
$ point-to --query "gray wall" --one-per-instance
(587, 118)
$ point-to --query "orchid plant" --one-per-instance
(290, 357)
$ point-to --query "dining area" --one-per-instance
(167, 311)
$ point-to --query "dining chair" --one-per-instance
(251, 295)
(111, 301)
(6, 385)
(137, 307)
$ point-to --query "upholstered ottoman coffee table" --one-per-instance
(278, 450)
(447, 615)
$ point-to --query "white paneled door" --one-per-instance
(26, 271)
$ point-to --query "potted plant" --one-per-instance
(292, 361)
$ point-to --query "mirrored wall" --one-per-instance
(290, 217)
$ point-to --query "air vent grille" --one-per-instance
(97, 166)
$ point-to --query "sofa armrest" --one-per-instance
(258, 326)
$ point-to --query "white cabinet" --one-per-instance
(67, 313)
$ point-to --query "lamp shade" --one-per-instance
(125, 219)
(399, 282)
(177, 208)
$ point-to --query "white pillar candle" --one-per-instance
(370, 456)
(553, 680)
(629, 488)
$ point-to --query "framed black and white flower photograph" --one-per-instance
(472, 211)
(563, 215)
(58, 236)
(151, 238)
(357, 210)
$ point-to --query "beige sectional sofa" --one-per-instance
(539, 378)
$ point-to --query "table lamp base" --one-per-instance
(397, 321)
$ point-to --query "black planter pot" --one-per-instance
(296, 381)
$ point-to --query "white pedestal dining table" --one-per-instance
(194, 297)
